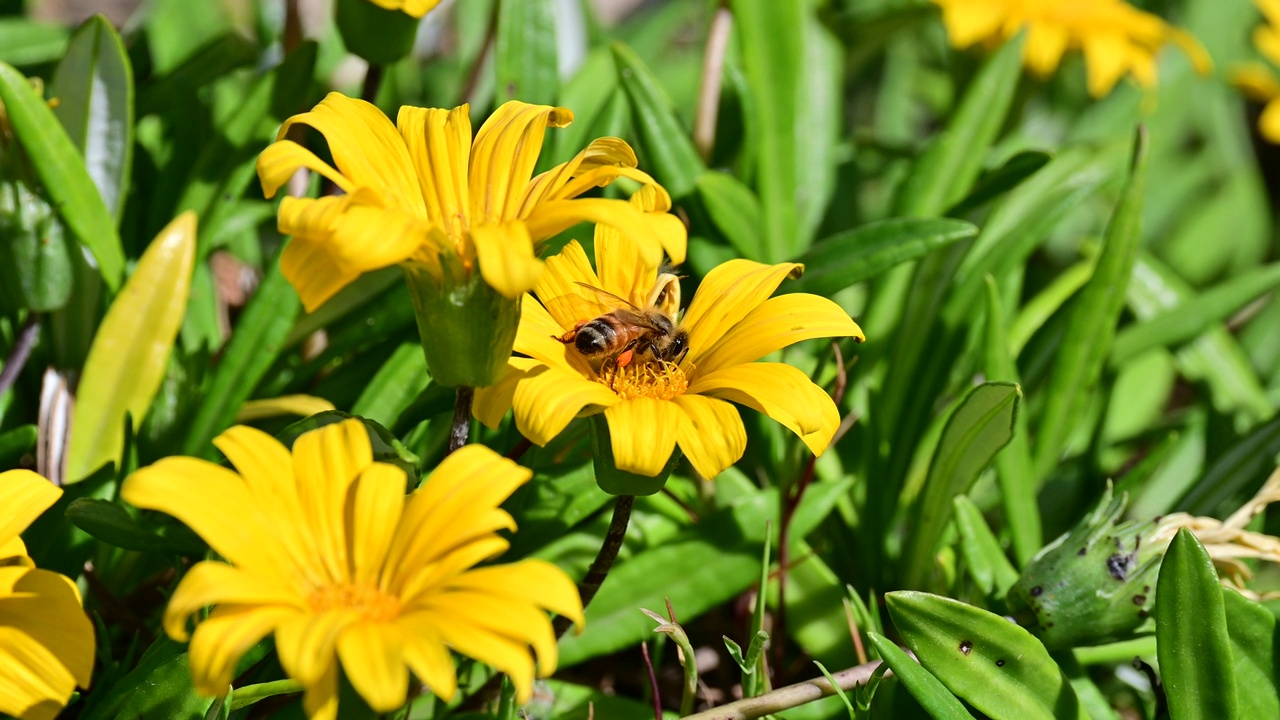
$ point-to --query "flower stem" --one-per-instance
(790, 696)
(653, 682)
(461, 417)
(372, 81)
(21, 351)
(599, 569)
(250, 694)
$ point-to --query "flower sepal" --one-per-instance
(467, 328)
(620, 482)
(376, 34)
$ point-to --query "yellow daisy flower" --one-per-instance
(46, 641)
(1115, 37)
(651, 407)
(1257, 80)
(422, 194)
(322, 547)
(416, 8)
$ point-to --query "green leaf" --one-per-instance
(62, 173)
(400, 379)
(26, 42)
(994, 665)
(94, 87)
(839, 691)
(1236, 472)
(525, 52)
(1043, 305)
(1001, 180)
(860, 254)
(15, 443)
(36, 271)
(1195, 314)
(932, 695)
(987, 563)
(110, 523)
(127, 359)
(1252, 630)
(256, 341)
(980, 425)
(735, 210)
(669, 152)
(1092, 323)
(1192, 642)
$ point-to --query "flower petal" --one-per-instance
(307, 643)
(780, 391)
(221, 640)
(546, 584)
(439, 143)
(548, 398)
(380, 498)
(371, 655)
(215, 583)
(643, 433)
(366, 148)
(601, 153)
(493, 649)
(427, 656)
(325, 464)
(1106, 58)
(45, 607)
(516, 618)
(650, 232)
(23, 495)
(278, 163)
(1269, 122)
(505, 152)
(313, 272)
(320, 699)
(727, 294)
(1257, 82)
(507, 261)
(1046, 42)
(33, 683)
(563, 277)
(712, 436)
(775, 324)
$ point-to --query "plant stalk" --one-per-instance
(599, 569)
(790, 696)
(461, 427)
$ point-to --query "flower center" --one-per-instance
(660, 380)
(366, 600)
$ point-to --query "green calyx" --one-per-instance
(620, 482)
(376, 34)
(467, 328)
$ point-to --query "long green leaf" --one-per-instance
(862, 253)
(667, 147)
(94, 87)
(1192, 642)
(982, 424)
(735, 209)
(127, 359)
(1254, 644)
(26, 42)
(400, 379)
(1092, 323)
(62, 173)
(987, 563)
(985, 660)
(932, 695)
(525, 52)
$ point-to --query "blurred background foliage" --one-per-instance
(1047, 305)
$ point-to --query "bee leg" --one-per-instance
(624, 358)
(572, 334)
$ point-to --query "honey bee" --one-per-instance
(624, 332)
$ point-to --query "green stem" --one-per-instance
(250, 694)
(599, 569)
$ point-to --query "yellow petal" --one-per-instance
(491, 403)
(1257, 82)
(366, 148)
(221, 640)
(427, 656)
(1046, 43)
(648, 231)
(216, 504)
(643, 433)
(214, 583)
(1269, 122)
(712, 436)
(503, 157)
(780, 391)
(45, 607)
(33, 683)
(1106, 58)
(378, 506)
(564, 274)
(313, 272)
(516, 618)
(621, 266)
(277, 164)
(307, 643)
(439, 143)
(23, 495)
(773, 325)
(498, 651)
(601, 153)
(548, 398)
(367, 238)
(371, 655)
(325, 464)
(969, 22)
(320, 699)
(422, 582)
(727, 294)
(507, 261)
(537, 580)
(302, 405)
(14, 552)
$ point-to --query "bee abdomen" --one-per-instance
(594, 337)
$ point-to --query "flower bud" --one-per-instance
(376, 34)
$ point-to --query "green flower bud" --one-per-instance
(1095, 584)
(467, 328)
(620, 482)
(376, 34)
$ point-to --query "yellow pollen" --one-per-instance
(366, 600)
(660, 380)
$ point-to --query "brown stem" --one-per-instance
(461, 427)
(704, 123)
(20, 353)
(522, 447)
(653, 682)
(790, 696)
(473, 76)
(292, 26)
(599, 569)
(372, 81)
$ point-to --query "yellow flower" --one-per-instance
(422, 194)
(323, 548)
(416, 8)
(46, 641)
(651, 407)
(1115, 37)
(1259, 81)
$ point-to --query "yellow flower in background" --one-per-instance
(46, 641)
(416, 8)
(652, 406)
(1116, 38)
(1259, 81)
(422, 193)
(322, 547)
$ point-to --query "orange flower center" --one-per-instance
(660, 380)
(367, 600)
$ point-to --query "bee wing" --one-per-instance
(608, 299)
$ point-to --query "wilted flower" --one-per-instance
(1115, 37)
(322, 547)
(46, 641)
